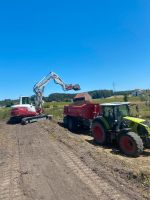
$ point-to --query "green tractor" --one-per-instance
(115, 125)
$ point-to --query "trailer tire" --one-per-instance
(72, 124)
(65, 121)
(130, 144)
(99, 133)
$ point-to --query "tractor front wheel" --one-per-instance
(130, 144)
(99, 133)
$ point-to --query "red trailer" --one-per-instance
(81, 112)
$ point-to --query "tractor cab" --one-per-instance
(114, 113)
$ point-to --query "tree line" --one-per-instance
(96, 94)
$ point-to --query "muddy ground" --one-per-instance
(44, 161)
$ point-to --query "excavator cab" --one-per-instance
(25, 100)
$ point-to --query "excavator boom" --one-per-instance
(39, 88)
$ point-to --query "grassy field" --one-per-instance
(56, 108)
(4, 113)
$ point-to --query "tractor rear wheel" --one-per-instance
(130, 144)
(99, 133)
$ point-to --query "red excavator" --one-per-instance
(25, 112)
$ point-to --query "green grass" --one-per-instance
(55, 109)
(118, 99)
(4, 113)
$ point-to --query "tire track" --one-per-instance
(10, 169)
(57, 150)
(101, 188)
(29, 142)
(104, 186)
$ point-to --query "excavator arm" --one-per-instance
(39, 88)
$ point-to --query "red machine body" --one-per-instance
(22, 112)
(84, 111)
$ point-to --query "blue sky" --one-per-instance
(90, 42)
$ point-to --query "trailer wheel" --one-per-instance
(99, 133)
(65, 120)
(72, 124)
(130, 144)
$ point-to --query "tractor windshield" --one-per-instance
(122, 110)
(114, 112)
(119, 110)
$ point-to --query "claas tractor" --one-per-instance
(114, 125)
(110, 123)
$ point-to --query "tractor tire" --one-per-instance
(72, 124)
(130, 144)
(99, 133)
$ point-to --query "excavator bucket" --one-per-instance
(76, 87)
(72, 87)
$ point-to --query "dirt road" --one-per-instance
(35, 164)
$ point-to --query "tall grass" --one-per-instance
(55, 109)
(4, 113)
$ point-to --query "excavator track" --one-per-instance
(28, 120)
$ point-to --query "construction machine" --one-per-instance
(26, 112)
